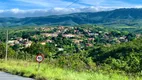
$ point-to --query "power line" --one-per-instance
(67, 5)
(72, 3)
(75, 1)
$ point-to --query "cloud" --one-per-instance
(43, 12)
(15, 12)
(32, 8)
(112, 3)
(50, 4)
(47, 3)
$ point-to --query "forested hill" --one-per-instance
(125, 56)
(129, 17)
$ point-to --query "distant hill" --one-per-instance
(129, 17)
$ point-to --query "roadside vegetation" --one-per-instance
(73, 53)
(48, 72)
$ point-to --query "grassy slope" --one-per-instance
(29, 69)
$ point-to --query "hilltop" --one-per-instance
(125, 17)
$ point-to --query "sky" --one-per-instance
(34, 8)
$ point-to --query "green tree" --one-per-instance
(11, 52)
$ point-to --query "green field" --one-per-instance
(47, 72)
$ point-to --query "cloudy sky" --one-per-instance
(34, 8)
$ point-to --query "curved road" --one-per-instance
(6, 76)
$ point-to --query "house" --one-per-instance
(46, 29)
(89, 45)
(91, 34)
(76, 31)
(49, 41)
(35, 36)
(61, 27)
(60, 49)
(138, 35)
(123, 39)
(50, 34)
(96, 34)
(19, 39)
(85, 30)
(77, 41)
(16, 42)
(100, 32)
(11, 42)
(91, 39)
(43, 43)
(69, 35)
(28, 44)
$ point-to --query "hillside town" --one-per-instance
(84, 37)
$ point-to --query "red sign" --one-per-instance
(40, 58)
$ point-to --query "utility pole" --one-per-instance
(6, 45)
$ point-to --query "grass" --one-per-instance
(47, 72)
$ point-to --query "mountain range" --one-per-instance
(128, 17)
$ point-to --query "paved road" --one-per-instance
(6, 76)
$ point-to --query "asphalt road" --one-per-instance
(6, 76)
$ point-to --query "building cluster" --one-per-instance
(23, 43)
(77, 35)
